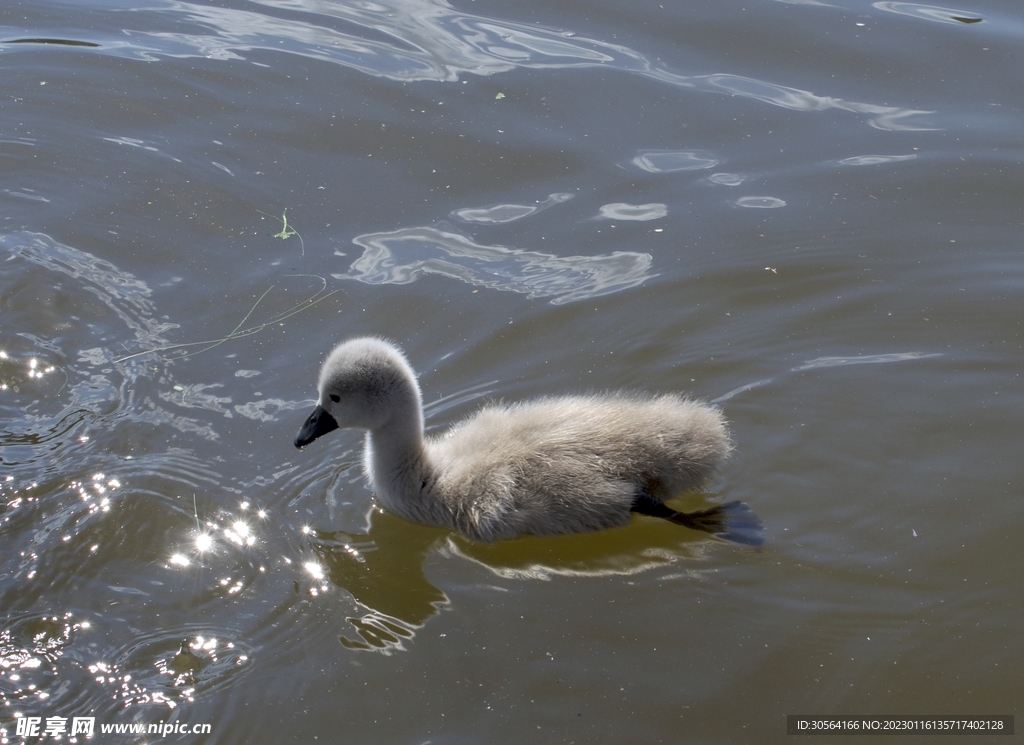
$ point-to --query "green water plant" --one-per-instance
(286, 230)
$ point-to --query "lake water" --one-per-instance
(808, 212)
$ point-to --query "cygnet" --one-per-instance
(563, 464)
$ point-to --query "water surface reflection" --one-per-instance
(419, 40)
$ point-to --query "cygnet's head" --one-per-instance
(363, 384)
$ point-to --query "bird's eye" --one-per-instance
(335, 397)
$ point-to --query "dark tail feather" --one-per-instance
(732, 521)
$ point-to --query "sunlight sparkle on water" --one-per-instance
(240, 533)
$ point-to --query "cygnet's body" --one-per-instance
(552, 465)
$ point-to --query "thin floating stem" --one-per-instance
(239, 332)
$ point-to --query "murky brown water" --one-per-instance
(807, 212)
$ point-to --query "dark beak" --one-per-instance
(319, 423)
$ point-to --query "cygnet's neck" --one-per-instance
(396, 461)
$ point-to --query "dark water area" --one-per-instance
(807, 212)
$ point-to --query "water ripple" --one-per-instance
(726, 179)
(171, 666)
(633, 212)
(414, 40)
(893, 118)
(403, 256)
(761, 203)
(667, 161)
(266, 410)
(929, 12)
(864, 359)
(51, 393)
(874, 160)
(121, 292)
(502, 213)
